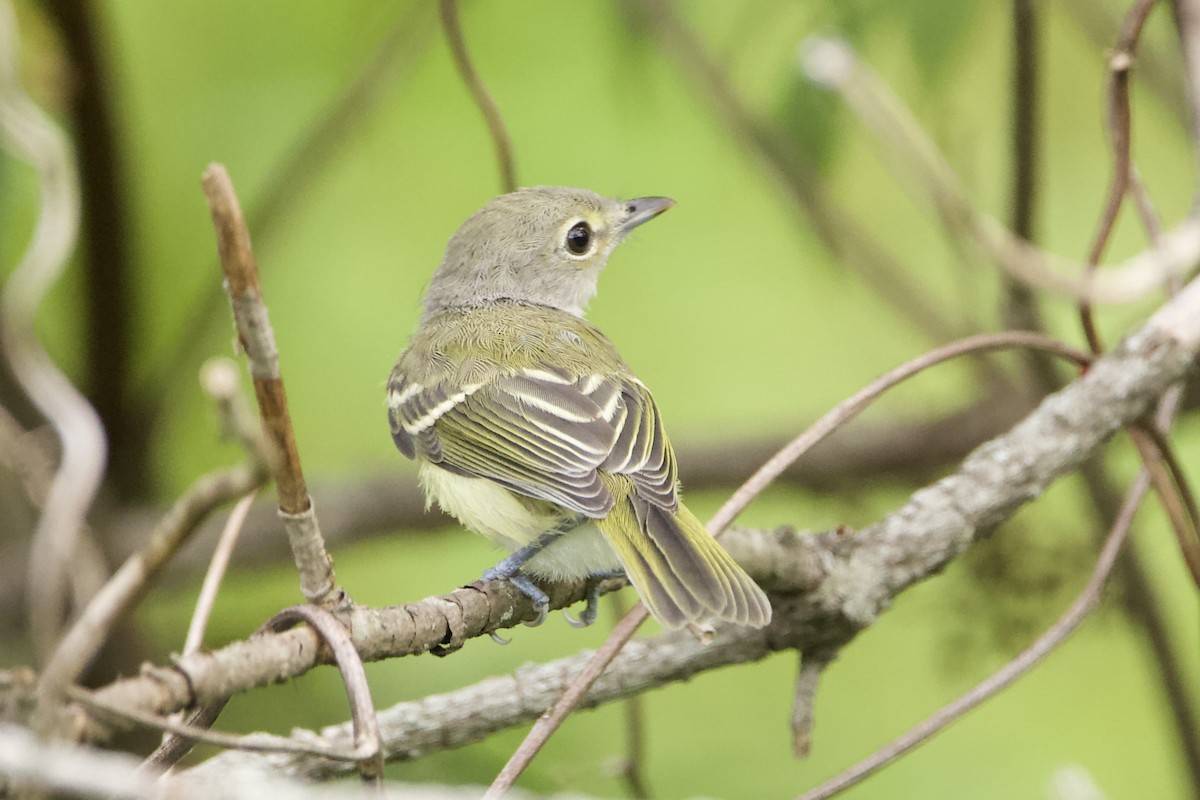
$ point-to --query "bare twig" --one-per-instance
(1187, 17)
(633, 766)
(216, 573)
(1174, 493)
(31, 136)
(1083, 605)
(1119, 127)
(812, 665)
(88, 633)
(188, 732)
(1158, 67)
(851, 407)
(367, 742)
(487, 106)
(258, 342)
(742, 497)
(834, 64)
(554, 716)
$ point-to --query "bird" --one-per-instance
(529, 428)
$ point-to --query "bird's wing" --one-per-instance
(542, 433)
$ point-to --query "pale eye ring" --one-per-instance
(579, 238)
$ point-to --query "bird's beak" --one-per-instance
(644, 209)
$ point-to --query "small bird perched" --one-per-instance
(530, 429)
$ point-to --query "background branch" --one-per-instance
(483, 99)
(31, 136)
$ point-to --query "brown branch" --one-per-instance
(258, 343)
(1158, 67)
(1187, 19)
(368, 745)
(483, 100)
(1119, 126)
(633, 767)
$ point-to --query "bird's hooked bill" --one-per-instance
(644, 209)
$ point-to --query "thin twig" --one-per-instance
(1187, 17)
(1119, 127)
(216, 573)
(1159, 68)
(1174, 493)
(554, 717)
(851, 407)
(28, 134)
(258, 343)
(742, 497)
(367, 742)
(57, 769)
(487, 106)
(834, 64)
(189, 732)
(633, 766)
(1030, 657)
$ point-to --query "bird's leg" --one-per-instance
(593, 597)
(510, 570)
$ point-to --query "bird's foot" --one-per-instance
(521, 582)
(588, 616)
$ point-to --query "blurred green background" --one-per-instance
(730, 308)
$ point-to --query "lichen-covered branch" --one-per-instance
(825, 586)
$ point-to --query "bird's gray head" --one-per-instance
(544, 245)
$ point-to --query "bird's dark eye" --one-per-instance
(579, 238)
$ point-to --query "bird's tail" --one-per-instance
(680, 571)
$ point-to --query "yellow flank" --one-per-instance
(487, 507)
(513, 521)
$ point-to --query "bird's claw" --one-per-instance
(593, 601)
(541, 603)
(584, 620)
